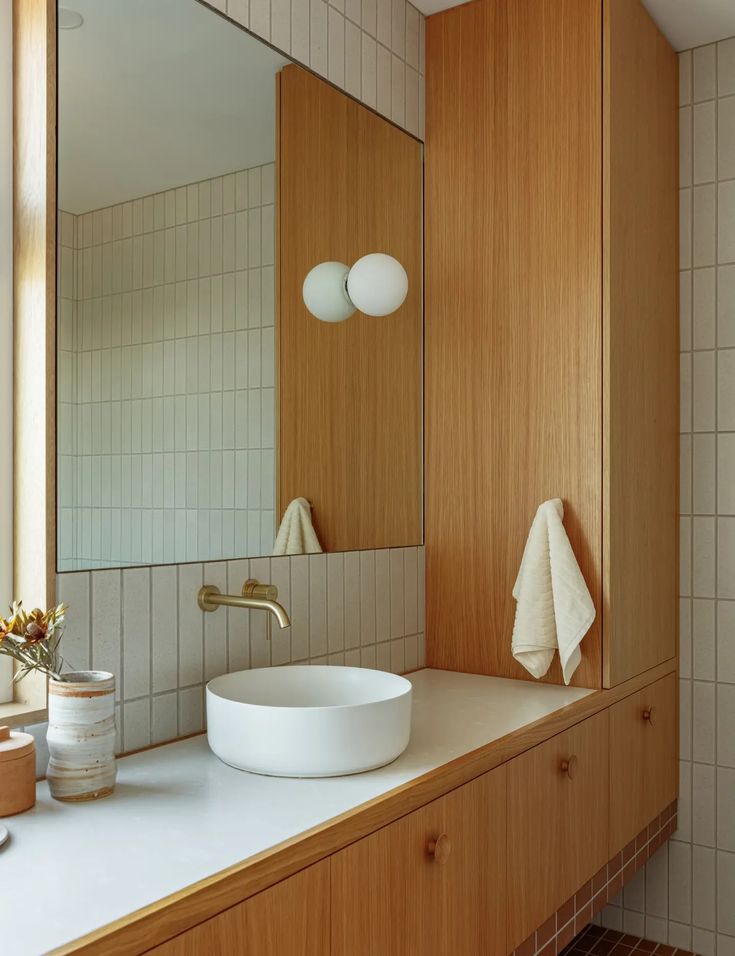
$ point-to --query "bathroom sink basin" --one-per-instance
(303, 721)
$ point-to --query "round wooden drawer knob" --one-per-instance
(649, 714)
(440, 849)
(569, 767)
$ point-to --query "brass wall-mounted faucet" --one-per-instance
(255, 596)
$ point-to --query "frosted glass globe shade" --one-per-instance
(324, 292)
(377, 284)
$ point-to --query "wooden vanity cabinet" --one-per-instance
(290, 918)
(643, 759)
(557, 808)
(552, 322)
(433, 882)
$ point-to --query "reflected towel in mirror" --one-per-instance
(296, 534)
(554, 607)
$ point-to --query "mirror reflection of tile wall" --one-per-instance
(166, 376)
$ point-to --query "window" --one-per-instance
(6, 326)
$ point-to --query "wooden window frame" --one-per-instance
(34, 326)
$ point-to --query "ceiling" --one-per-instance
(686, 23)
(156, 95)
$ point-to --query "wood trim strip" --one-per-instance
(34, 313)
(154, 924)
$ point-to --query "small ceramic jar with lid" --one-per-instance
(17, 772)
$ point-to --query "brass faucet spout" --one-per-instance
(259, 597)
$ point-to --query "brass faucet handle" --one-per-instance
(204, 597)
(266, 592)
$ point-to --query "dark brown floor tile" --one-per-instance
(603, 947)
(662, 950)
(645, 946)
(629, 940)
(594, 930)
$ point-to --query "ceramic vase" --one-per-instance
(81, 736)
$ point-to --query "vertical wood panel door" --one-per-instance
(557, 823)
(392, 897)
(513, 313)
(288, 919)
(641, 344)
(644, 777)
(349, 394)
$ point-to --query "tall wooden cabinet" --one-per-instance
(551, 323)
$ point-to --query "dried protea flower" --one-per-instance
(32, 639)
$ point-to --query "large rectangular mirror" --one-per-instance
(204, 412)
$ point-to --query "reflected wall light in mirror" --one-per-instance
(377, 284)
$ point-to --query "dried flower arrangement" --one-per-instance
(32, 639)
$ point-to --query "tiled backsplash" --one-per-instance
(166, 376)
(686, 894)
(360, 608)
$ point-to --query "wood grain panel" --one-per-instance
(641, 350)
(513, 329)
(557, 839)
(289, 919)
(644, 777)
(349, 395)
(391, 897)
(34, 313)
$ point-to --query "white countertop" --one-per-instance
(178, 814)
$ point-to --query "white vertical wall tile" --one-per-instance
(703, 225)
(685, 78)
(680, 882)
(704, 73)
(726, 67)
(106, 614)
(725, 222)
(726, 306)
(703, 119)
(137, 724)
(74, 590)
(136, 619)
(725, 893)
(726, 138)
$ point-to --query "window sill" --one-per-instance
(29, 706)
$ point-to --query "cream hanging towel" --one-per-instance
(296, 534)
(554, 608)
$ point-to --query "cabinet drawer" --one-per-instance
(432, 883)
(557, 823)
(643, 761)
(288, 919)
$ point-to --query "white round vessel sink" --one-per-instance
(303, 721)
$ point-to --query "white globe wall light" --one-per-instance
(377, 284)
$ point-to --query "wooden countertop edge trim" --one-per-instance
(160, 921)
